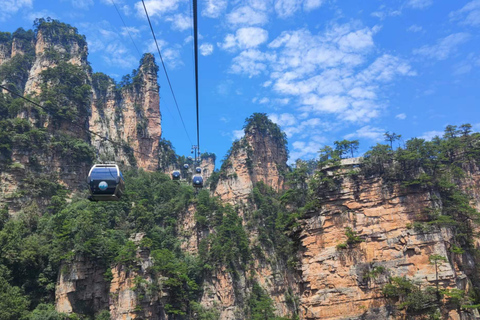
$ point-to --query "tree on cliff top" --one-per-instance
(59, 31)
(264, 125)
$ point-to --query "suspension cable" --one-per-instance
(126, 28)
(139, 53)
(73, 123)
(166, 73)
(195, 38)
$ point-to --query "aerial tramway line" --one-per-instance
(105, 180)
(114, 187)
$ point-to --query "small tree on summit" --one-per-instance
(391, 137)
(346, 146)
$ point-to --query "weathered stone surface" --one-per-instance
(133, 117)
(81, 287)
(333, 280)
(257, 157)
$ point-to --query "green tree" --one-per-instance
(346, 146)
(437, 260)
(466, 129)
(260, 305)
(392, 137)
(13, 304)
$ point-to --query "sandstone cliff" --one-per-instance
(50, 65)
(260, 155)
(339, 279)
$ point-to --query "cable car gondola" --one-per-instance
(185, 166)
(176, 175)
(198, 170)
(106, 182)
(197, 181)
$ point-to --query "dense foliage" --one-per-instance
(260, 123)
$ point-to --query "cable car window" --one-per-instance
(104, 174)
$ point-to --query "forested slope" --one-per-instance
(393, 234)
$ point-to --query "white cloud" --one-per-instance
(418, 4)
(172, 57)
(245, 38)
(246, 16)
(206, 49)
(251, 37)
(134, 32)
(126, 10)
(105, 40)
(357, 40)
(82, 4)
(116, 54)
(444, 47)
(466, 65)
(386, 68)
(306, 149)
(401, 116)
(238, 134)
(468, 15)
(283, 101)
(429, 135)
(214, 8)
(250, 62)
(384, 12)
(180, 21)
(264, 100)
(310, 5)
(157, 7)
(367, 132)
(286, 8)
(284, 119)
(39, 14)
(10, 7)
(307, 128)
(415, 28)
(324, 73)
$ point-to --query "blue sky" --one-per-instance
(324, 70)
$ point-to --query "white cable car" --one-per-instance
(185, 166)
(176, 175)
(106, 182)
(197, 181)
(198, 170)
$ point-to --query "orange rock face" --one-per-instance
(335, 282)
(257, 157)
(132, 118)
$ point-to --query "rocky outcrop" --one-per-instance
(131, 293)
(260, 155)
(336, 281)
(82, 287)
(130, 115)
(208, 166)
(85, 287)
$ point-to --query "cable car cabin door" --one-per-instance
(106, 183)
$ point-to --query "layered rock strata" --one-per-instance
(128, 115)
(336, 281)
(256, 157)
